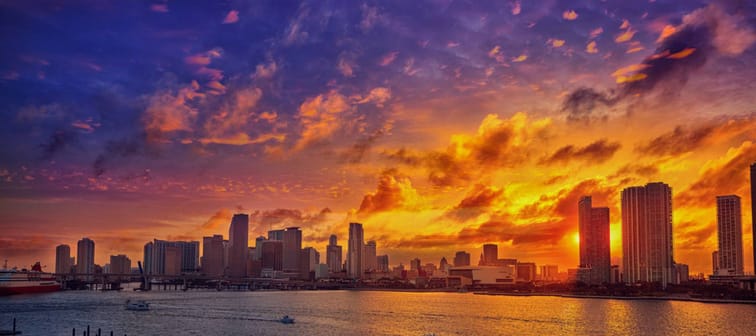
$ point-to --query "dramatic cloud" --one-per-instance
(320, 117)
(170, 111)
(393, 192)
(686, 139)
(595, 153)
(726, 176)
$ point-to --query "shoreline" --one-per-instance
(624, 298)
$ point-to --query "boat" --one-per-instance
(13, 281)
(286, 320)
(138, 305)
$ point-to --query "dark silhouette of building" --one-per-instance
(594, 241)
(730, 235)
(292, 250)
(212, 256)
(461, 258)
(490, 254)
(647, 234)
(238, 235)
(355, 249)
(753, 212)
(333, 255)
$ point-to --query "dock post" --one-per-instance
(14, 326)
(87, 330)
(99, 332)
(73, 332)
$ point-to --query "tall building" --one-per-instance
(490, 254)
(272, 255)
(443, 265)
(63, 259)
(714, 262)
(238, 235)
(594, 240)
(461, 258)
(309, 259)
(415, 264)
(333, 255)
(212, 256)
(647, 234)
(292, 247)
(753, 212)
(120, 264)
(549, 272)
(85, 252)
(276, 234)
(355, 248)
(258, 247)
(730, 235)
(370, 262)
(383, 263)
(183, 257)
(526, 271)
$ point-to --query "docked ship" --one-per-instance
(13, 281)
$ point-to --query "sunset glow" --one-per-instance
(440, 127)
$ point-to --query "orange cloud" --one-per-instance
(231, 17)
(265, 71)
(570, 15)
(682, 140)
(393, 192)
(596, 32)
(320, 117)
(625, 36)
(595, 153)
(591, 48)
(170, 112)
(388, 58)
(682, 54)
(667, 31)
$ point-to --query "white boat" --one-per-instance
(137, 305)
(286, 320)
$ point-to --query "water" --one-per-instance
(366, 313)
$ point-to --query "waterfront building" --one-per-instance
(238, 235)
(549, 272)
(647, 234)
(370, 262)
(753, 213)
(292, 249)
(63, 259)
(276, 234)
(334, 255)
(272, 255)
(594, 240)
(461, 258)
(714, 262)
(415, 264)
(355, 249)
(383, 263)
(526, 271)
(729, 235)
(490, 254)
(212, 256)
(85, 253)
(164, 257)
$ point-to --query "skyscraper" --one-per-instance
(714, 262)
(753, 212)
(730, 235)
(276, 234)
(461, 258)
(370, 261)
(212, 256)
(292, 249)
(63, 259)
(238, 235)
(183, 257)
(148, 252)
(594, 241)
(490, 254)
(383, 263)
(647, 234)
(333, 255)
(354, 251)
(85, 252)
(272, 255)
(120, 264)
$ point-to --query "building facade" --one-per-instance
(594, 240)
(729, 235)
(85, 253)
(334, 255)
(238, 235)
(461, 258)
(355, 248)
(212, 256)
(63, 259)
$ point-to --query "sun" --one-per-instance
(576, 238)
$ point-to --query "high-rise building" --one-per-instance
(490, 254)
(730, 235)
(63, 259)
(333, 255)
(238, 235)
(682, 273)
(370, 262)
(383, 263)
(753, 212)
(258, 247)
(212, 256)
(647, 234)
(309, 259)
(461, 258)
(714, 262)
(415, 264)
(276, 234)
(120, 264)
(526, 271)
(594, 240)
(272, 255)
(85, 253)
(292, 249)
(549, 272)
(443, 265)
(355, 248)
(183, 258)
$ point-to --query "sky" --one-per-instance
(440, 125)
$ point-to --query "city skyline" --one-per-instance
(439, 130)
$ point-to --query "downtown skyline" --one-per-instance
(472, 124)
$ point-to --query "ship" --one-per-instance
(13, 281)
